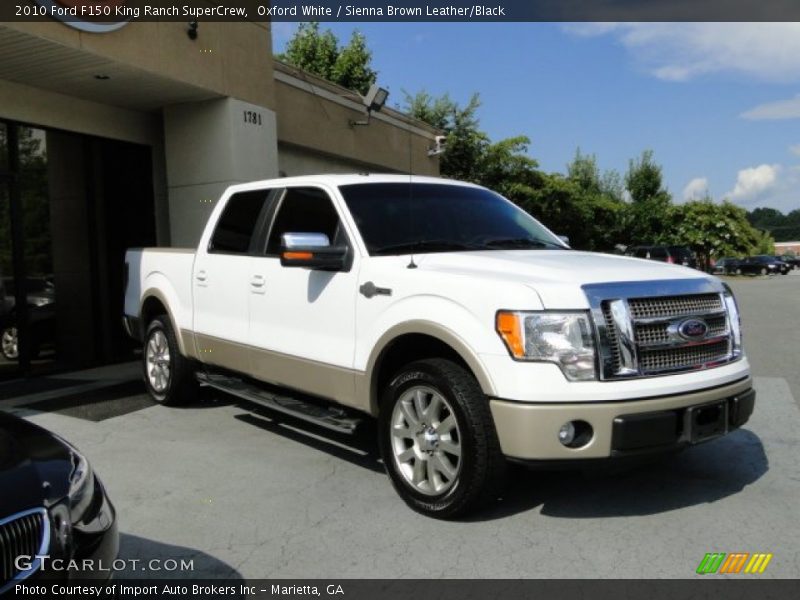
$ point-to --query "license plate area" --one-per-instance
(706, 421)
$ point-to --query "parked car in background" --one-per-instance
(727, 266)
(763, 265)
(56, 508)
(40, 295)
(675, 255)
(792, 261)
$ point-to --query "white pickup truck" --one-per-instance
(472, 333)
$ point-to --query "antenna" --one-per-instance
(411, 264)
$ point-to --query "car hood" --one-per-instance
(556, 275)
(35, 466)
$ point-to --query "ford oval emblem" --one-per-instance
(693, 329)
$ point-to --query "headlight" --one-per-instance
(734, 320)
(562, 338)
(81, 486)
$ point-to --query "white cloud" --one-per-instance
(753, 182)
(781, 109)
(696, 188)
(682, 51)
(795, 149)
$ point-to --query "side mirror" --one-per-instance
(313, 251)
(564, 239)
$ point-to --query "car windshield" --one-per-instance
(405, 218)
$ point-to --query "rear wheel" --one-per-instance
(438, 439)
(168, 376)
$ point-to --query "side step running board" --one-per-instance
(330, 417)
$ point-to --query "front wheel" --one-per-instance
(438, 439)
(168, 376)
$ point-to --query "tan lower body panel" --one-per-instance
(311, 377)
(530, 431)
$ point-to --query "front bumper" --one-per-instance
(529, 431)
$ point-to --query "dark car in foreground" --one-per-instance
(763, 264)
(676, 255)
(727, 266)
(56, 522)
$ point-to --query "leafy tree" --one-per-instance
(713, 230)
(352, 67)
(784, 228)
(319, 52)
(644, 179)
(647, 217)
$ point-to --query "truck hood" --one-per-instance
(556, 275)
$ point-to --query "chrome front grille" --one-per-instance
(26, 533)
(643, 328)
(675, 306)
(655, 334)
(670, 359)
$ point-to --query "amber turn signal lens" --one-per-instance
(298, 255)
(509, 329)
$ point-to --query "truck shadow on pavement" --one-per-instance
(168, 562)
(699, 475)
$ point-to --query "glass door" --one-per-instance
(9, 333)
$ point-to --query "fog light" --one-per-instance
(567, 433)
(575, 434)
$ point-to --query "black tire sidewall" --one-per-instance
(449, 502)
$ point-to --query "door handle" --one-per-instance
(201, 276)
(370, 290)
(257, 284)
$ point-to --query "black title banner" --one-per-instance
(118, 11)
(383, 589)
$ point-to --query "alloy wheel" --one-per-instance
(426, 441)
(10, 343)
(158, 361)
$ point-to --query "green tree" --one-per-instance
(320, 53)
(646, 219)
(714, 230)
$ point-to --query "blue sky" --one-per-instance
(719, 104)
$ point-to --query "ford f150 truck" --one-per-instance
(473, 333)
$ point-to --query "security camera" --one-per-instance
(439, 143)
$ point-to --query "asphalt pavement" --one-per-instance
(244, 495)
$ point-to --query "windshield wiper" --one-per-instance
(422, 246)
(521, 243)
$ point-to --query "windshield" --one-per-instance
(404, 218)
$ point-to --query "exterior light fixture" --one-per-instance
(374, 101)
(192, 30)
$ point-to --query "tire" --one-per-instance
(9, 343)
(168, 376)
(461, 467)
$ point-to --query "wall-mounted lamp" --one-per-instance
(192, 31)
(374, 101)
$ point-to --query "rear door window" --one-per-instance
(238, 224)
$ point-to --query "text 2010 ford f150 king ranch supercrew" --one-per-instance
(471, 332)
